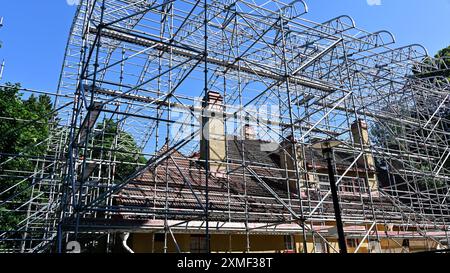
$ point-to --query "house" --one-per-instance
(256, 202)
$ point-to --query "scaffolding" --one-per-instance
(148, 65)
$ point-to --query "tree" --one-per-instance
(444, 63)
(24, 123)
(441, 67)
(426, 106)
(116, 144)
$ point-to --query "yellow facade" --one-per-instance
(222, 243)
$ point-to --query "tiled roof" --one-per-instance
(164, 191)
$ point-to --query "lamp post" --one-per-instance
(327, 147)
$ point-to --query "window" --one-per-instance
(347, 185)
(320, 247)
(199, 244)
(159, 237)
(361, 185)
(405, 243)
(375, 247)
(353, 185)
(352, 243)
(324, 182)
(324, 179)
(289, 242)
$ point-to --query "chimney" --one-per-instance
(213, 133)
(249, 132)
(360, 132)
(288, 164)
(363, 134)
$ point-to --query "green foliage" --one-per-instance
(24, 127)
(120, 146)
(386, 138)
(8, 220)
(443, 57)
(24, 123)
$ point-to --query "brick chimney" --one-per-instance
(213, 132)
(249, 132)
(360, 132)
(288, 164)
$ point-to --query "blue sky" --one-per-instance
(35, 32)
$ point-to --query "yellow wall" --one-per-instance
(143, 243)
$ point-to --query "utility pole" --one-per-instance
(2, 65)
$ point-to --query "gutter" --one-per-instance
(125, 237)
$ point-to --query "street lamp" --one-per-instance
(327, 147)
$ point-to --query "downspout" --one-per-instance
(125, 237)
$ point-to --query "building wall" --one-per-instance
(144, 243)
